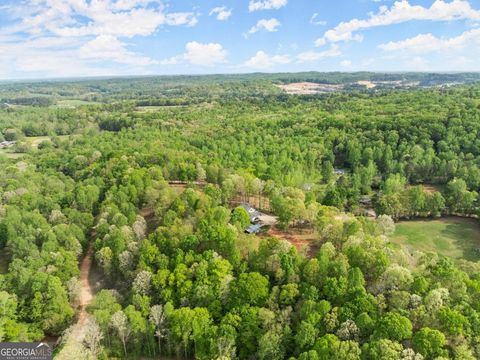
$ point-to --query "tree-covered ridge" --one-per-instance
(180, 276)
(191, 88)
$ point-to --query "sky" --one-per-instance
(75, 38)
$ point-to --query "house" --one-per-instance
(252, 213)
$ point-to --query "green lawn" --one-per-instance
(454, 237)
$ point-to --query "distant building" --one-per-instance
(5, 144)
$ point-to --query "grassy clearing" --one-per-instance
(34, 141)
(155, 108)
(458, 238)
(73, 103)
(8, 152)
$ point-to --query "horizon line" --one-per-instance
(138, 76)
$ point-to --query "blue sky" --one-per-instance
(65, 38)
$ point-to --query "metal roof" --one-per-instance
(253, 229)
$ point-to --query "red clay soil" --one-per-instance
(300, 244)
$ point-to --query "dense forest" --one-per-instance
(149, 174)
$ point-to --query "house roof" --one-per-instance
(253, 229)
(252, 212)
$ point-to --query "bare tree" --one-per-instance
(142, 283)
(120, 323)
(74, 290)
(93, 337)
(139, 227)
(226, 348)
(158, 319)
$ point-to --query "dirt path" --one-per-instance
(86, 294)
(73, 342)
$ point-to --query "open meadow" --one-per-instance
(458, 238)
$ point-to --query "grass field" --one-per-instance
(458, 238)
(10, 154)
(34, 141)
(73, 103)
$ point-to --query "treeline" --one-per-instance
(166, 102)
(42, 121)
(29, 101)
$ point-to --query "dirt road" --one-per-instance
(86, 294)
(73, 348)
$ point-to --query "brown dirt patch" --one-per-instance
(430, 188)
(304, 241)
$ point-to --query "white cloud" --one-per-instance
(107, 47)
(314, 20)
(199, 54)
(309, 56)
(263, 61)
(266, 5)
(346, 63)
(205, 54)
(174, 60)
(124, 18)
(81, 37)
(426, 43)
(222, 13)
(52, 57)
(270, 25)
(401, 11)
